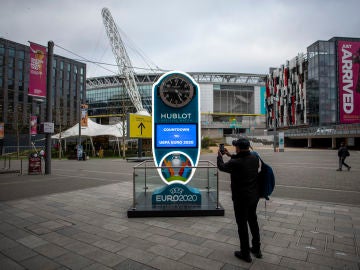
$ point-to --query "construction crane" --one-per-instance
(123, 61)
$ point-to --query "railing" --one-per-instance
(146, 180)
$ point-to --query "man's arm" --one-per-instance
(222, 166)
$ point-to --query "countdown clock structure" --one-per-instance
(176, 127)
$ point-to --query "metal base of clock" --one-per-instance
(145, 208)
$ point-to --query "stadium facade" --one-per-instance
(230, 102)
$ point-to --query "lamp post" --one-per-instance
(49, 106)
(275, 121)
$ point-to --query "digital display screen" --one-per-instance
(176, 135)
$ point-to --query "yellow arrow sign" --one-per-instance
(139, 126)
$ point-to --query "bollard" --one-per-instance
(4, 162)
(21, 163)
(9, 162)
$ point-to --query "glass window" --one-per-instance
(61, 65)
(2, 49)
(11, 62)
(21, 64)
(12, 52)
(54, 63)
(20, 54)
(10, 85)
(82, 71)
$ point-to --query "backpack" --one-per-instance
(347, 153)
(266, 179)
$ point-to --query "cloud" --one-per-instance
(204, 35)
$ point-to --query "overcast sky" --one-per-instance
(246, 36)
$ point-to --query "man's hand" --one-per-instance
(226, 152)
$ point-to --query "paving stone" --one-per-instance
(39, 262)
(135, 254)
(104, 257)
(301, 265)
(261, 265)
(188, 238)
(8, 264)
(16, 234)
(279, 230)
(137, 242)
(57, 239)
(160, 231)
(4, 227)
(6, 243)
(160, 262)
(32, 241)
(332, 262)
(19, 253)
(132, 265)
(232, 267)
(201, 262)
(38, 230)
(51, 250)
(162, 240)
(167, 252)
(98, 266)
(109, 245)
(80, 248)
(86, 237)
(286, 252)
(195, 249)
(73, 261)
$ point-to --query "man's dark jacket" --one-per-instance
(243, 169)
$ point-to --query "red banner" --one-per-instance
(2, 131)
(349, 81)
(37, 81)
(33, 125)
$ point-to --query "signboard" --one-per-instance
(33, 125)
(37, 78)
(2, 130)
(349, 81)
(170, 135)
(281, 141)
(176, 194)
(84, 115)
(176, 128)
(47, 127)
(35, 165)
(139, 126)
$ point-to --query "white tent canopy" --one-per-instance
(93, 129)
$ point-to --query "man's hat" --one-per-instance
(241, 143)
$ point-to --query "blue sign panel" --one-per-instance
(176, 127)
(176, 135)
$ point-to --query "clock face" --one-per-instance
(176, 91)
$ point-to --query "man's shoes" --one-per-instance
(349, 168)
(339, 170)
(242, 256)
(257, 252)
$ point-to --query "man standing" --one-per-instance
(343, 153)
(243, 168)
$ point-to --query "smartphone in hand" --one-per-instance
(222, 148)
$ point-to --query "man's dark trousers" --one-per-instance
(245, 212)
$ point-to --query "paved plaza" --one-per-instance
(76, 219)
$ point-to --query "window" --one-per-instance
(12, 52)
(20, 54)
(2, 49)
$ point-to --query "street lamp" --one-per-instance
(275, 100)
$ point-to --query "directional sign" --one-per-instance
(139, 126)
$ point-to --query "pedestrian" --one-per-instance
(343, 153)
(244, 168)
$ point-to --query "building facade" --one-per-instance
(229, 101)
(16, 106)
(319, 88)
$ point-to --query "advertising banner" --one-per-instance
(2, 131)
(349, 81)
(33, 125)
(37, 78)
(84, 115)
